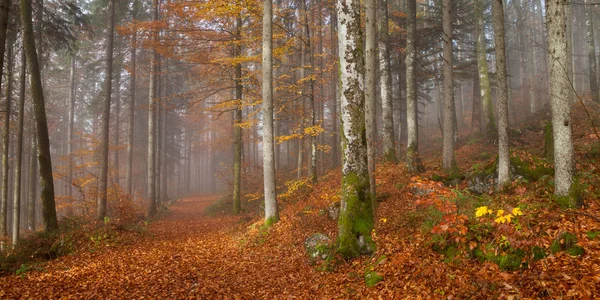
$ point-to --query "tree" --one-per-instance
(356, 213)
(37, 94)
(237, 129)
(5, 142)
(103, 180)
(129, 175)
(151, 120)
(489, 126)
(449, 162)
(564, 158)
(19, 152)
(371, 85)
(502, 102)
(412, 117)
(389, 149)
(271, 211)
(589, 21)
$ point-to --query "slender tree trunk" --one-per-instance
(70, 129)
(412, 117)
(502, 101)
(335, 95)
(237, 130)
(117, 133)
(589, 21)
(371, 85)
(5, 142)
(152, 121)
(476, 107)
(131, 115)
(569, 33)
(312, 169)
(271, 210)
(37, 93)
(19, 153)
(103, 177)
(356, 214)
(564, 158)
(163, 141)
(449, 163)
(387, 109)
(489, 125)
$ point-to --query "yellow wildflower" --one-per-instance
(517, 212)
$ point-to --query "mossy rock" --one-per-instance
(372, 278)
(530, 171)
(318, 246)
(566, 242)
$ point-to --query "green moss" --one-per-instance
(413, 162)
(511, 261)
(574, 198)
(372, 278)
(270, 221)
(356, 220)
(436, 177)
(390, 156)
(530, 171)
(592, 234)
(539, 253)
(548, 143)
(566, 242)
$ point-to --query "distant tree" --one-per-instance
(449, 162)
(385, 83)
(412, 117)
(151, 175)
(371, 85)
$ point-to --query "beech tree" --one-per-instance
(356, 212)
(412, 117)
(502, 92)
(449, 162)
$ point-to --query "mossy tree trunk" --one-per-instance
(37, 94)
(356, 213)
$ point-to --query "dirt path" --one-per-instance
(185, 255)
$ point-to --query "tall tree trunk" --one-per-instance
(335, 95)
(117, 133)
(412, 117)
(589, 21)
(356, 215)
(70, 129)
(5, 143)
(569, 33)
(152, 121)
(387, 109)
(449, 163)
(489, 124)
(163, 141)
(19, 153)
(502, 101)
(371, 85)
(476, 106)
(564, 158)
(532, 60)
(312, 167)
(103, 177)
(271, 210)
(131, 115)
(237, 129)
(37, 94)
(33, 182)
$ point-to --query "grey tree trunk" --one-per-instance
(163, 141)
(32, 182)
(356, 213)
(589, 21)
(371, 85)
(151, 161)
(131, 115)
(271, 210)
(335, 95)
(19, 152)
(412, 117)
(312, 168)
(104, 139)
(117, 128)
(70, 129)
(448, 161)
(564, 159)
(385, 81)
(489, 126)
(569, 33)
(237, 130)
(37, 94)
(5, 143)
(502, 101)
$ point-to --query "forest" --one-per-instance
(328, 149)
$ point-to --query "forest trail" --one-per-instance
(185, 254)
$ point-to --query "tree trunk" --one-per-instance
(37, 94)
(387, 109)
(489, 125)
(32, 181)
(70, 129)
(152, 121)
(312, 168)
(271, 210)
(412, 117)
(131, 115)
(104, 139)
(237, 130)
(502, 101)
(476, 107)
(564, 160)
(163, 141)
(356, 214)
(569, 33)
(19, 153)
(5, 142)
(117, 128)
(589, 21)
(371, 85)
(335, 95)
(449, 163)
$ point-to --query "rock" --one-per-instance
(318, 246)
(333, 211)
(421, 190)
(482, 184)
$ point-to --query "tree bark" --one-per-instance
(356, 213)
(589, 21)
(131, 115)
(70, 129)
(5, 143)
(152, 121)
(449, 162)
(32, 181)
(271, 210)
(489, 126)
(104, 139)
(385, 81)
(371, 85)
(237, 130)
(412, 117)
(502, 101)
(19, 152)
(37, 94)
(564, 160)
(335, 95)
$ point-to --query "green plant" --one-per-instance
(22, 270)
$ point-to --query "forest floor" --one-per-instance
(434, 240)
